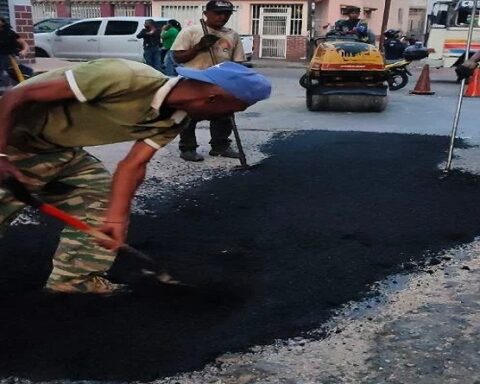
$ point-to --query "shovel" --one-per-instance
(21, 193)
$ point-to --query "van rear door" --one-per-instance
(119, 39)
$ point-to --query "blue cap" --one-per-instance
(236, 79)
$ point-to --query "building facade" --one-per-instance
(43, 9)
(417, 17)
(19, 14)
(279, 27)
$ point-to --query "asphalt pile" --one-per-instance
(271, 252)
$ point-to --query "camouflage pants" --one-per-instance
(78, 183)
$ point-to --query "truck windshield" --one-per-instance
(462, 17)
(453, 13)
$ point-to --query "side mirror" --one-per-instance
(58, 32)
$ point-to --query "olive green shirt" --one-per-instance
(113, 104)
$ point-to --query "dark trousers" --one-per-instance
(220, 130)
(152, 57)
(5, 80)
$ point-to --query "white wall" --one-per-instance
(418, 4)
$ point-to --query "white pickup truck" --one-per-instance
(103, 37)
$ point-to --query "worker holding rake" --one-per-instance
(46, 122)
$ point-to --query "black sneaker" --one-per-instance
(228, 152)
(191, 156)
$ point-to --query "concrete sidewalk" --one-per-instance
(44, 64)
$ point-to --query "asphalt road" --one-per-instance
(270, 252)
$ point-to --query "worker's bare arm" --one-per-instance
(129, 175)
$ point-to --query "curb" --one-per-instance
(279, 65)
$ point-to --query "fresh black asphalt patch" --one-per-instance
(271, 251)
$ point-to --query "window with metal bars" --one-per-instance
(42, 11)
(84, 11)
(296, 16)
(123, 10)
(148, 9)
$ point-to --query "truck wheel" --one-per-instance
(39, 52)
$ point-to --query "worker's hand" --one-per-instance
(206, 42)
(465, 70)
(7, 169)
(117, 231)
(23, 53)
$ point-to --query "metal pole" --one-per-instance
(386, 16)
(310, 28)
(462, 89)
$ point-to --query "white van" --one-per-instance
(96, 38)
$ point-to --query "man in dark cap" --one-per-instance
(191, 49)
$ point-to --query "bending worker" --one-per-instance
(191, 48)
(45, 122)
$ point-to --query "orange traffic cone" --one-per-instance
(423, 84)
(473, 89)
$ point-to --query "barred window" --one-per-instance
(84, 11)
(42, 11)
(185, 14)
(123, 10)
(296, 16)
(148, 9)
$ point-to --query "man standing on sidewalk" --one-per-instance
(151, 44)
(191, 49)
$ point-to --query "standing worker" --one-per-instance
(169, 34)
(45, 122)
(151, 44)
(191, 48)
(10, 44)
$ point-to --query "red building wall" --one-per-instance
(24, 27)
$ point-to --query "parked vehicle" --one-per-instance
(397, 72)
(247, 42)
(50, 25)
(447, 30)
(345, 74)
(96, 38)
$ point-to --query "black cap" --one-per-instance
(352, 9)
(219, 6)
